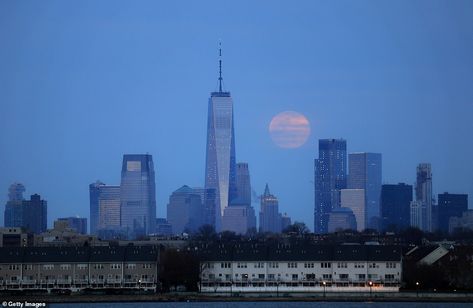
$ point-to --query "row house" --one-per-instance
(76, 268)
(259, 267)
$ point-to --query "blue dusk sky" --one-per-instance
(84, 82)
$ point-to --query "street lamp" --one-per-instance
(324, 284)
(417, 288)
(370, 283)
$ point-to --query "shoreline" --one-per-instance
(456, 297)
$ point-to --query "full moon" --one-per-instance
(289, 129)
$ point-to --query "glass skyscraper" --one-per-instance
(138, 195)
(364, 172)
(330, 177)
(220, 166)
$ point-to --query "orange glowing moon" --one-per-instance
(289, 129)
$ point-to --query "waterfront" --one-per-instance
(264, 304)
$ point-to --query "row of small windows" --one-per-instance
(14, 267)
(306, 265)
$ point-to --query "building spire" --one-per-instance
(266, 190)
(220, 67)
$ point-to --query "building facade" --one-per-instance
(138, 195)
(365, 172)
(29, 214)
(255, 267)
(354, 199)
(450, 205)
(422, 209)
(184, 210)
(330, 177)
(341, 219)
(395, 206)
(105, 208)
(269, 217)
(78, 268)
(76, 223)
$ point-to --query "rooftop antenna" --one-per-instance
(220, 67)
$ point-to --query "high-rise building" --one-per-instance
(340, 219)
(138, 195)
(421, 209)
(76, 223)
(220, 166)
(354, 199)
(239, 216)
(184, 210)
(105, 208)
(395, 206)
(330, 178)
(269, 217)
(450, 205)
(29, 214)
(364, 172)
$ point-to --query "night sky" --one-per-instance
(84, 82)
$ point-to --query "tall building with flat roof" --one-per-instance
(395, 206)
(330, 178)
(450, 205)
(354, 199)
(138, 195)
(220, 166)
(105, 207)
(365, 171)
(243, 183)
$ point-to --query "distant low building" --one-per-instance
(354, 199)
(450, 205)
(76, 223)
(184, 210)
(341, 219)
(63, 235)
(463, 222)
(163, 227)
(238, 218)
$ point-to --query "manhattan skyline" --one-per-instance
(83, 85)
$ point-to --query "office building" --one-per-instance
(105, 209)
(450, 205)
(239, 217)
(286, 221)
(341, 219)
(163, 227)
(463, 223)
(220, 166)
(421, 210)
(138, 195)
(354, 199)
(330, 178)
(269, 216)
(77, 224)
(364, 172)
(184, 210)
(395, 206)
(28, 214)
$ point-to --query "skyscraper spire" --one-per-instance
(220, 67)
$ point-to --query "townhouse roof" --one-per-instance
(78, 254)
(298, 252)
